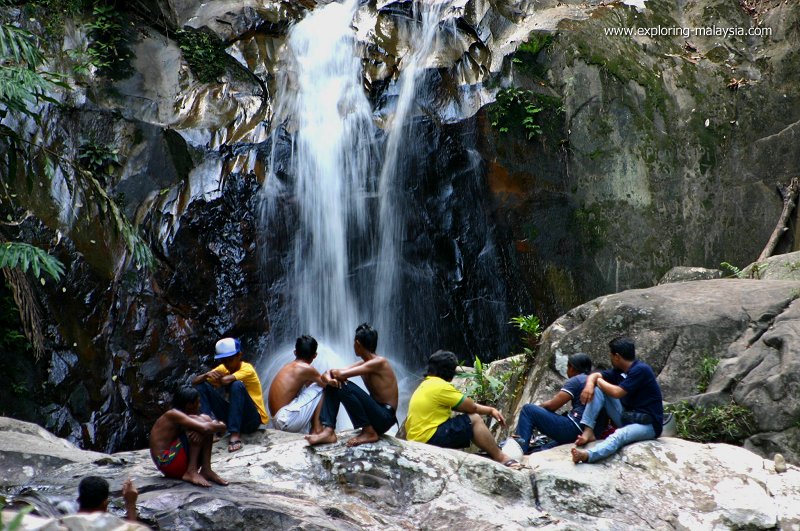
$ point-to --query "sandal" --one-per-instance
(235, 446)
(513, 464)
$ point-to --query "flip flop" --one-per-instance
(235, 446)
(513, 464)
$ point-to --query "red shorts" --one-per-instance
(174, 461)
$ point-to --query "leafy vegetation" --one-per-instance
(730, 423)
(204, 52)
(514, 109)
(98, 158)
(28, 257)
(481, 386)
(52, 14)
(109, 47)
(708, 364)
(16, 522)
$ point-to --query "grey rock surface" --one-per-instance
(750, 326)
(279, 482)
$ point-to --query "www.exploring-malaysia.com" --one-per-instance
(676, 31)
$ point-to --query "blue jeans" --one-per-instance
(624, 435)
(560, 428)
(240, 414)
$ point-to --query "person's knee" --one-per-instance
(238, 387)
(475, 419)
(528, 410)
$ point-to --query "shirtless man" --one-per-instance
(375, 412)
(181, 438)
(295, 395)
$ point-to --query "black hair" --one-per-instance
(442, 363)
(580, 362)
(183, 397)
(92, 493)
(367, 336)
(305, 347)
(624, 347)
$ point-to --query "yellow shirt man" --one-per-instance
(430, 407)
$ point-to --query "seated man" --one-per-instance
(295, 395)
(181, 438)
(374, 413)
(630, 394)
(93, 496)
(429, 410)
(245, 411)
(562, 429)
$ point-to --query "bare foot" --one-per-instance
(585, 438)
(212, 476)
(579, 456)
(195, 479)
(326, 436)
(367, 435)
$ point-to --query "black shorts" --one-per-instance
(455, 432)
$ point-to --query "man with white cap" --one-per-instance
(243, 411)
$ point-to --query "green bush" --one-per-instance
(730, 424)
(481, 386)
(708, 364)
(515, 109)
(109, 47)
(205, 53)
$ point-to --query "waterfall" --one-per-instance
(338, 171)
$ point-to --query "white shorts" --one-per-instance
(296, 416)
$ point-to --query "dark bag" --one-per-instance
(635, 417)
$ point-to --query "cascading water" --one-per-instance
(344, 259)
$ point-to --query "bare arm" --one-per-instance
(358, 369)
(614, 391)
(588, 390)
(311, 375)
(555, 403)
(214, 377)
(191, 423)
(130, 495)
(468, 405)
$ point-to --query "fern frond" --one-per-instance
(26, 256)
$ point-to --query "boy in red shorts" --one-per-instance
(181, 438)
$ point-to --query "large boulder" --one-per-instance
(750, 326)
(279, 482)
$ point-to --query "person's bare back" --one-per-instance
(381, 382)
(288, 382)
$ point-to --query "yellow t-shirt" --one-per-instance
(430, 407)
(248, 376)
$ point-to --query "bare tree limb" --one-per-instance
(789, 194)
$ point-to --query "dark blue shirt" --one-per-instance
(573, 388)
(643, 393)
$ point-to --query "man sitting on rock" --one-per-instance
(181, 438)
(630, 394)
(244, 410)
(295, 395)
(375, 412)
(429, 411)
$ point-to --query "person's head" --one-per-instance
(93, 494)
(305, 348)
(579, 363)
(622, 351)
(186, 399)
(442, 363)
(229, 353)
(366, 338)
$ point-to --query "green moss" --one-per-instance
(205, 53)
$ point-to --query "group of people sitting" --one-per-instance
(302, 400)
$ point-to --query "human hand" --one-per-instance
(337, 375)
(498, 417)
(587, 394)
(129, 492)
(214, 377)
(328, 379)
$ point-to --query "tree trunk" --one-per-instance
(789, 203)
